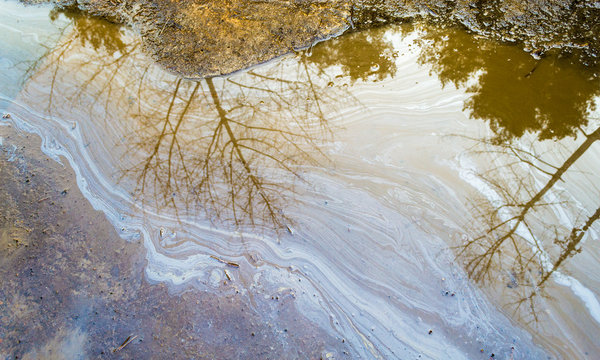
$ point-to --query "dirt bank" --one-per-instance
(200, 38)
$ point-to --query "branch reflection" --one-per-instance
(524, 242)
(234, 150)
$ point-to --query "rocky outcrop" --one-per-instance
(201, 38)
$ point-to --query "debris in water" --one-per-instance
(6, 116)
(431, 11)
(225, 262)
(532, 70)
(125, 343)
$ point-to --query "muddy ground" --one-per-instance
(200, 38)
(73, 289)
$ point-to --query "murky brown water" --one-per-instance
(413, 191)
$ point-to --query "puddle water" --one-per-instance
(417, 191)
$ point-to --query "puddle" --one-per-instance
(412, 191)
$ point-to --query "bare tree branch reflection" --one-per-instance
(569, 245)
(517, 234)
(229, 149)
(232, 148)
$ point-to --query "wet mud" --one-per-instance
(73, 289)
(197, 39)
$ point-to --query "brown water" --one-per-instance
(394, 181)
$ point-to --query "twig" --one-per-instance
(225, 262)
(125, 343)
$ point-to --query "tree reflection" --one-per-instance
(100, 35)
(523, 99)
(520, 239)
(515, 93)
(232, 147)
(361, 55)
